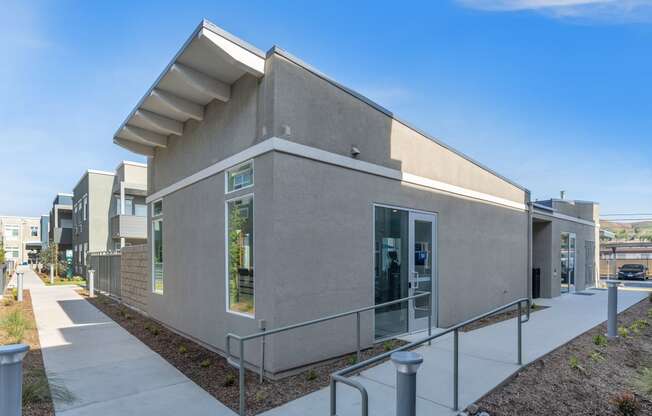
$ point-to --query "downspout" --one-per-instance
(530, 208)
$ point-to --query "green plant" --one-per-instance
(14, 294)
(37, 387)
(183, 349)
(649, 313)
(574, 363)
(626, 403)
(643, 382)
(351, 359)
(205, 363)
(15, 324)
(533, 306)
(311, 375)
(623, 332)
(596, 356)
(600, 340)
(260, 396)
(388, 345)
(7, 302)
(229, 380)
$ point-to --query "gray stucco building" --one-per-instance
(60, 231)
(277, 194)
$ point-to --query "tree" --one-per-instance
(2, 253)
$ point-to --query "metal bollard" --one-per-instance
(11, 378)
(612, 308)
(19, 286)
(91, 283)
(407, 363)
(51, 273)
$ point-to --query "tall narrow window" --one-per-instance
(85, 207)
(240, 253)
(157, 247)
(240, 177)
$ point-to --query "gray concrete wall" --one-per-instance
(134, 273)
(317, 113)
(323, 254)
(99, 202)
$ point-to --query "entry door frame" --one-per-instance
(420, 324)
(572, 273)
(434, 299)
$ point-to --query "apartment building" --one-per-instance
(276, 194)
(61, 224)
(91, 206)
(20, 237)
(128, 213)
(109, 211)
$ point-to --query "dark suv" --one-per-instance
(632, 272)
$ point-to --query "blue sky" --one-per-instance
(554, 94)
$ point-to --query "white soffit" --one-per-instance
(202, 71)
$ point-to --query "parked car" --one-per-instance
(632, 272)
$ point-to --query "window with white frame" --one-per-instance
(157, 247)
(12, 251)
(240, 177)
(33, 230)
(12, 232)
(85, 207)
(240, 255)
(85, 253)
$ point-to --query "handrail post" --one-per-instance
(333, 396)
(520, 336)
(242, 380)
(456, 362)
(357, 331)
(263, 327)
(430, 317)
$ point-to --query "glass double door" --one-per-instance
(404, 265)
(567, 255)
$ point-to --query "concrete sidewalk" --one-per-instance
(108, 370)
(487, 358)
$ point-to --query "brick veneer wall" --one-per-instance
(133, 270)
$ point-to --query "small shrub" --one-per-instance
(649, 297)
(643, 382)
(311, 375)
(229, 380)
(37, 388)
(260, 396)
(623, 332)
(7, 302)
(388, 345)
(183, 349)
(205, 364)
(600, 340)
(574, 363)
(14, 293)
(640, 324)
(15, 325)
(533, 306)
(596, 356)
(351, 360)
(626, 403)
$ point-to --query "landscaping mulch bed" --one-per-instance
(212, 372)
(504, 316)
(33, 368)
(584, 376)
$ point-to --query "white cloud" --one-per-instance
(606, 11)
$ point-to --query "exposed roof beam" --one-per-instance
(202, 82)
(134, 147)
(147, 137)
(179, 105)
(239, 56)
(159, 122)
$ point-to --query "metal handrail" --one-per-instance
(264, 333)
(340, 376)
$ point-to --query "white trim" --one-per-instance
(226, 254)
(129, 162)
(285, 146)
(153, 277)
(565, 217)
(64, 194)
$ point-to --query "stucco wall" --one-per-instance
(134, 271)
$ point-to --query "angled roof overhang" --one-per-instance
(203, 70)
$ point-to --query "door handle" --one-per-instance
(416, 280)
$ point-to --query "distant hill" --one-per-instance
(629, 231)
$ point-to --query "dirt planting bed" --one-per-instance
(211, 371)
(588, 376)
(16, 318)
